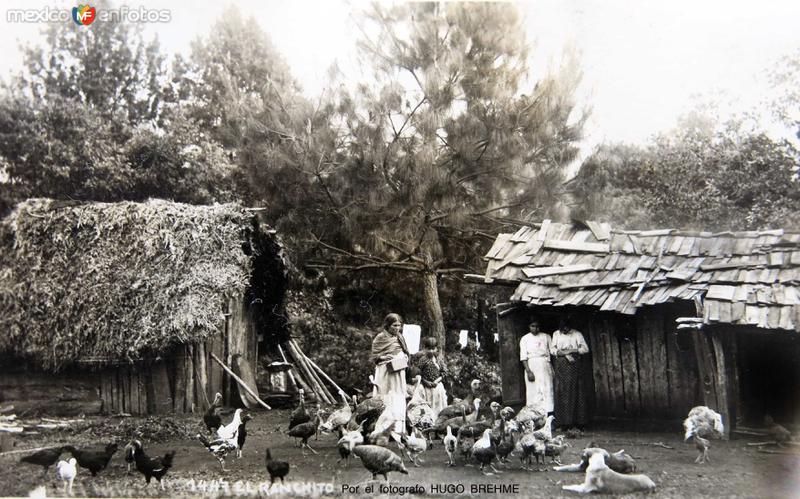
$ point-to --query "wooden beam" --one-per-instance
(240, 381)
(556, 270)
(705, 370)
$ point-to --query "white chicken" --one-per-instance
(66, 472)
(348, 441)
(546, 431)
(231, 430)
(450, 444)
(414, 444)
(703, 423)
(391, 420)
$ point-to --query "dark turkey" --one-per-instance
(44, 458)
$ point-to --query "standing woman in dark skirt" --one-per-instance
(571, 392)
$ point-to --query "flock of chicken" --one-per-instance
(469, 431)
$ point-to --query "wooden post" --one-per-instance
(705, 368)
(721, 382)
(188, 367)
(201, 372)
(240, 381)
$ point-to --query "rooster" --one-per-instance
(219, 448)
(151, 467)
(703, 423)
(231, 430)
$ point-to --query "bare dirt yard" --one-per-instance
(736, 470)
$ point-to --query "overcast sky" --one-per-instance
(643, 61)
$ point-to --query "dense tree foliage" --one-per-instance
(724, 180)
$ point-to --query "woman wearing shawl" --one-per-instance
(387, 345)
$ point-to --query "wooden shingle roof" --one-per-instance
(742, 277)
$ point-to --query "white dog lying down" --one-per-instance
(601, 478)
(618, 461)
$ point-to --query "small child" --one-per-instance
(431, 372)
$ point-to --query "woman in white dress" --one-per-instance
(534, 353)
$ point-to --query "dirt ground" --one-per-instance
(735, 470)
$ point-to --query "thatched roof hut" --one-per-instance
(106, 285)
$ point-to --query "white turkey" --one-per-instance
(703, 423)
(379, 460)
(338, 418)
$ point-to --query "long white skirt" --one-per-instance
(539, 393)
(436, 397)
(392, 385)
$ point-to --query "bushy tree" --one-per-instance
(449, 143)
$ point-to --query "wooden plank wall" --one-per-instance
(642, 367)
(511, 325)
(182, 381)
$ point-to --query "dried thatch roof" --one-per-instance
(742, 277)
(116, 281)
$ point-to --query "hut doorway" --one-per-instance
(769, 376)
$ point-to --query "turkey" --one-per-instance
(211, 417)
(304, 431)
(346, 444)
(703, 423)
(554, 447)
(368, 411)
(458, 421)
(483, 451)
(419, 413)
(450, 443)
(300, 415)
(546, 431)
(465, 406)
(44, 458)
(531, 415)
(338, 418)
(529, 446)
(379, 460)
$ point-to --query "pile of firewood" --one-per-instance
(306, 374)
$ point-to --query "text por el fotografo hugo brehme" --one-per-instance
(243, 488)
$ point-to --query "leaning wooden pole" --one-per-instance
(306, 370)
(327, 378)
(241, 382)
(313, 372)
